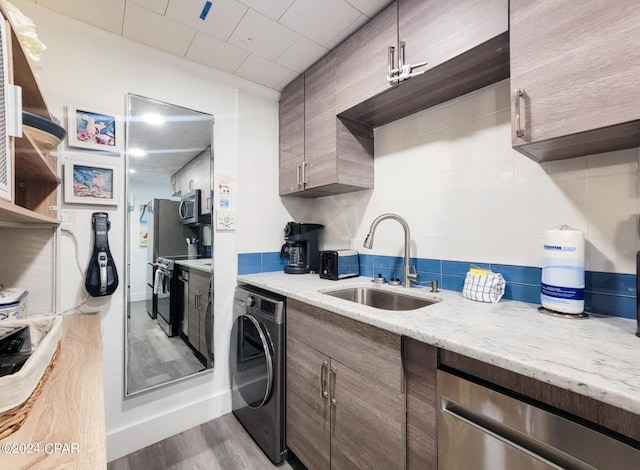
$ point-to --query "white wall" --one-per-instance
(468, 196)
(89, 67)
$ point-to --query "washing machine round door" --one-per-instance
(253, 364)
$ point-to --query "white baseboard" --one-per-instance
(124, 441)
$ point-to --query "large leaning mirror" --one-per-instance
(169, 304)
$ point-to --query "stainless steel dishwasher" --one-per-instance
(481, 428)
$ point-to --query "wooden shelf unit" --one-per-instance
(36, 181)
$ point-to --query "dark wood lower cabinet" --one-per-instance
(308, 414)
(357, 416)
(343, 416)
(367, 426)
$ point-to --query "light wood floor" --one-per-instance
(219, 444)
(154, 358)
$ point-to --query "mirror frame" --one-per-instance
(127, 228)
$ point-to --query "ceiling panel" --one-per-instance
(301, 55)
(92, 12)
(320, 21)
(156, 30)
(263, 36)
(220, 21)
(262, 71)
(215, 53)
(269, 42)
(369, 7)
(158, 6)
(345, 33)
(274, 9)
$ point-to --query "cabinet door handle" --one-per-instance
(517, 95)
(332, 384)
(304, 173)
(324, 394)
(391, 60)
(401, 56)
(298, 173)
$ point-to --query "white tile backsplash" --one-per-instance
(618, 190)
(468, 196)
(611, 163)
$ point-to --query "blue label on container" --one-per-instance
(559, 248)
(568, 293)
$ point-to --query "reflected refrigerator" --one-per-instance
(166, 238)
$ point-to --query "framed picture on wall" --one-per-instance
(88, 181)
(96, 130)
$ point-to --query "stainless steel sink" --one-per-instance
(381, 299)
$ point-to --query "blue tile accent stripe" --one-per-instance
(253, 263)
(606, 293)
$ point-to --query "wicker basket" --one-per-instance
(19, 391)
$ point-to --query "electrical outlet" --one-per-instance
(225, 221)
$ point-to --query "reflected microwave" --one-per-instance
(189, 208)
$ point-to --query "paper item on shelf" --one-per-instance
(25, 29)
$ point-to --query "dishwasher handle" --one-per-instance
(471, 413)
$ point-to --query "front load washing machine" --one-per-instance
(257, 366)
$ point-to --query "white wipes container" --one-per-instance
(562, 288)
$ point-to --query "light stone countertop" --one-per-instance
(598, 357)
(202, 264)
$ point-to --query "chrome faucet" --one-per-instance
(408, 276)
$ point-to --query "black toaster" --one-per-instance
(339, 264)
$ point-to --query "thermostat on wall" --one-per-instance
(225, 221)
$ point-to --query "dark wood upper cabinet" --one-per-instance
(291, 135)
(321, 155)
(320, 123)
(346, 93)
(464, 42)
(578, 72)
(362, 60)
(435, 31)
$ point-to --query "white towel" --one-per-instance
(484, 287)
(158, 282)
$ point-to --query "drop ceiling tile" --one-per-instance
(262, 36)
(155, 30)
(222, 18)
(369, 7)
(319, 21)
(87, 11)
(301, 55)
(262, 71)
(274, 9)
(159, 6)
(285, 81)
(345, 33)
(215, 53)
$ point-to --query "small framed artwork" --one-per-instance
(95, 130)
(89, 181)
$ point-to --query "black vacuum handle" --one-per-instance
(102, 277)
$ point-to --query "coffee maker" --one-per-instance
(301, 242)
